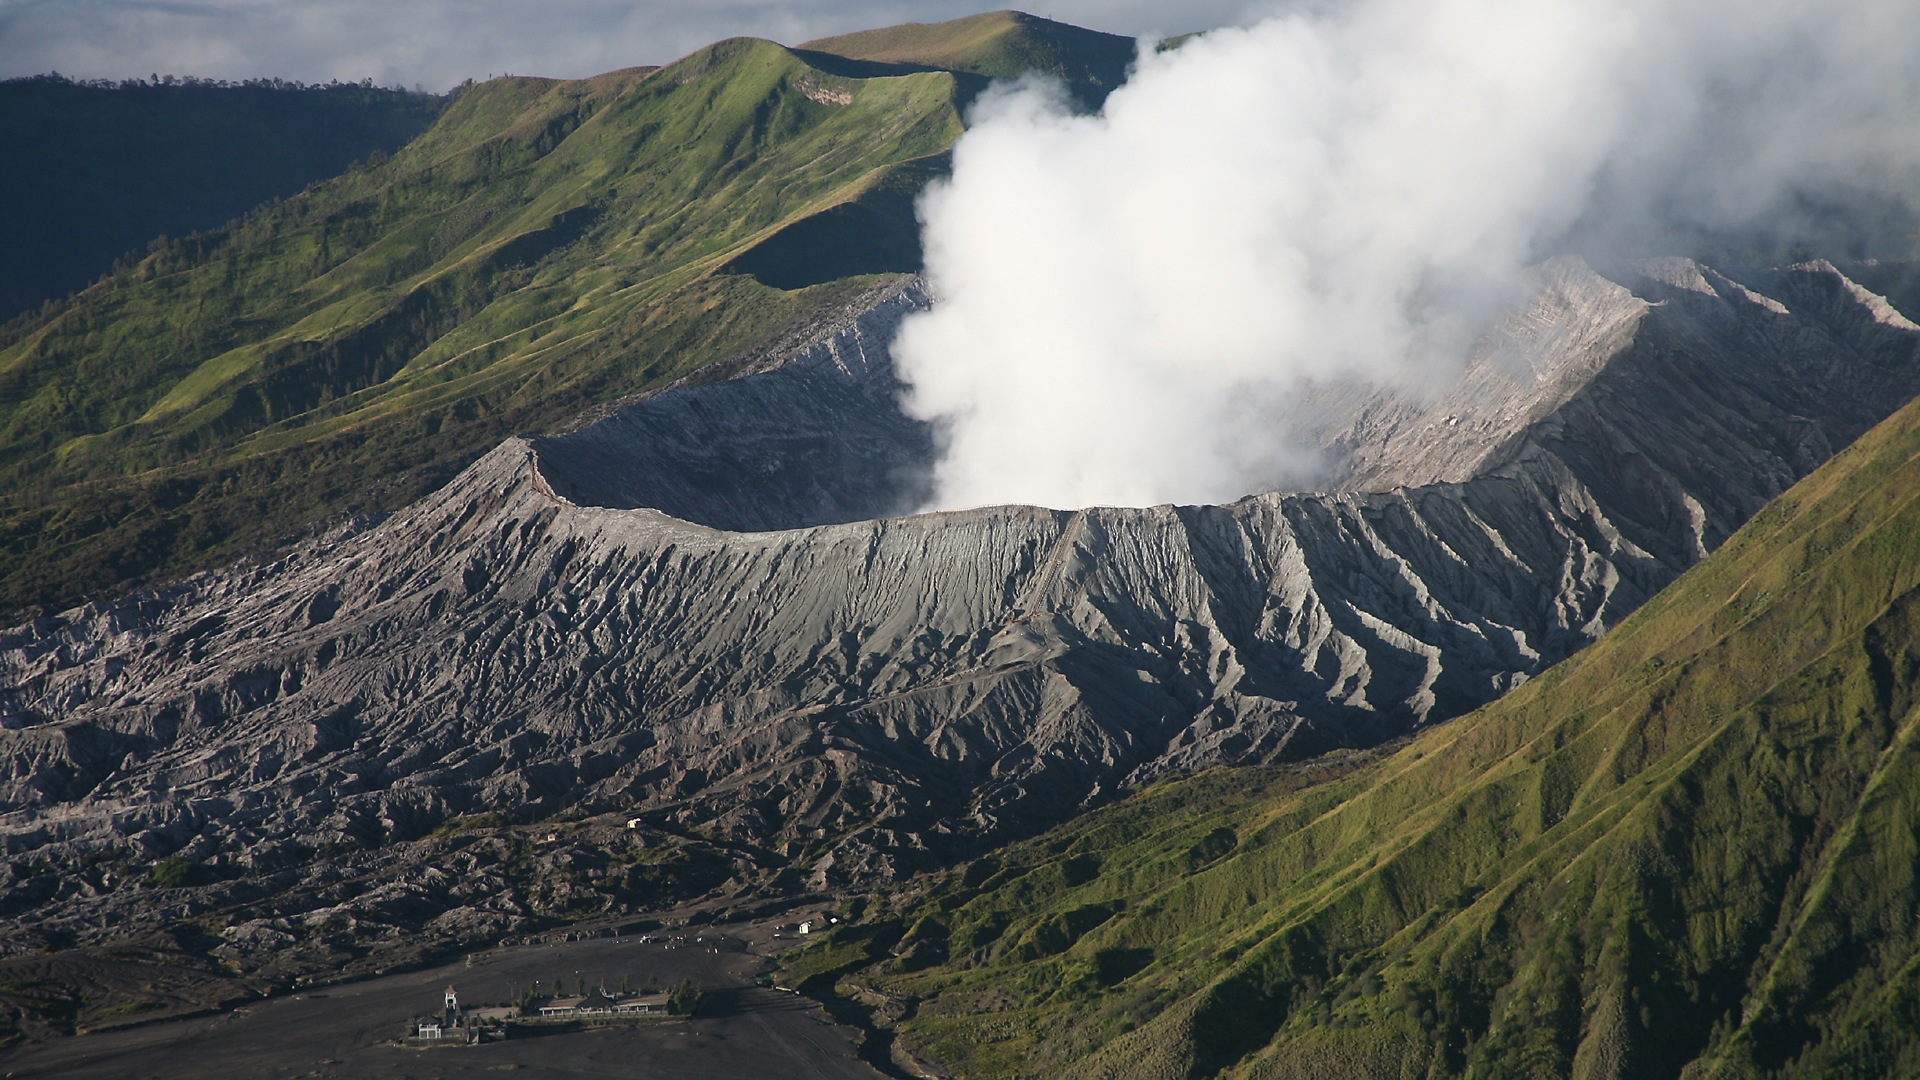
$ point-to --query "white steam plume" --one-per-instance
(1128, 300)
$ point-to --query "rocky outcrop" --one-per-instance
(543, 634)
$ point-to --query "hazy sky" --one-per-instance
(437, 43)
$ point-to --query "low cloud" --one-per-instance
(1130, 301)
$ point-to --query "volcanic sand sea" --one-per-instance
(743, 1031)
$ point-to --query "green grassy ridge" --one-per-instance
(94, 172)
(996, 45)
(545, 246)
(1690, 849)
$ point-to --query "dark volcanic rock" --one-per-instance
(855, 692)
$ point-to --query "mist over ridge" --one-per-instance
(1128, 302)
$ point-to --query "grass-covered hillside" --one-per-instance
(997, 44)
(542, 247)
(95, 172)
(1691, 850)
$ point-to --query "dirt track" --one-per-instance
(744, 1031)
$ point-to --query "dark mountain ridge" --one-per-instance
(98, 172)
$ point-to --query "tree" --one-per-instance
(685, 998)
(175, 872)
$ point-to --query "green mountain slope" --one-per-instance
(996, 44)
(1693, 849)
(543, 247)
(94, 172)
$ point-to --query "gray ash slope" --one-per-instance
(843, 691)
